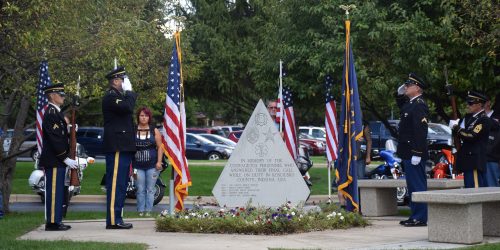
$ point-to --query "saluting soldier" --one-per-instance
(119, 143)
(54, 158)
(412, 144)
(473, 131)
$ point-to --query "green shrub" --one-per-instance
(251, 220)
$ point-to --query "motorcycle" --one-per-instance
(444, 168)
(37, 178)
(131, 192)
(304, 163)
(391, 169)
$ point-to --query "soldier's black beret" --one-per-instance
(55, 88)
(474, 96)
(119, 72)
(414, 79)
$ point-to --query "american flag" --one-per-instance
(41, 102)
(289, 122)
(332, 143)
(174, 130)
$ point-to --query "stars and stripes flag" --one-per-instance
(41, 102)
(350, 129)
(332, 144)
(174, 127)
(289, 123)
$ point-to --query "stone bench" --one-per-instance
(462, 215)
(378, 196)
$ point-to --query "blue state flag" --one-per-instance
(350, 130)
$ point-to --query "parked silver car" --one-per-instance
(29, 143)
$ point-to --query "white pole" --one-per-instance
(329, 166)
(116, 63)
(172, 193)
(281, 96)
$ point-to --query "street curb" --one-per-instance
(19, 198)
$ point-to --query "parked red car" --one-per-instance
(234, 136)
(318, 146)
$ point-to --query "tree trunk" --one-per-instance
(7, 166)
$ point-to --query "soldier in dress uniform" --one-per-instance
(119, 143)
(412, 144)
(54, 158)
(473, 131)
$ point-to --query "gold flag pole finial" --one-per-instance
(347, 8)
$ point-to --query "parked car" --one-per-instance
(92, 138)
(229, 129)
(30, 142)
(315, 132)
(438, 137)
(380, 134)
(318, 146)
(197, 147)
(235, 136)
(219, 140)
(205, 131)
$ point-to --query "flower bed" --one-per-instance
(250, 220)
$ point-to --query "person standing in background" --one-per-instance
(147, 160)
(493, 148)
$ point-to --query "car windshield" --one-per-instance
(203, 140)
(237, 128)
(437, 129)
(218, 139)
(305, 136)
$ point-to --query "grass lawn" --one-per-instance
(16, 224)
(203, 177)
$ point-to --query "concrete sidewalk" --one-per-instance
(382, 234)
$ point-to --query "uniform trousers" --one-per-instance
(416, 181)
(117, 174)
(54, 194)
(474, 178)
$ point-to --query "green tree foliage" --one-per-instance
(77, 38)
(240, 43)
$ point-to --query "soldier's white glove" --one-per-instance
(415, 160)
(126, 85)
(453, 123)
(69, 128)
(401, 89)
(71, 163)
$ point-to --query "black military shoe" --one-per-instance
(56, 227)
(403, 222)
(415, 223)
(120, 226)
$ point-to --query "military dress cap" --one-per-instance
(119, 72)
(414, 79)
(476, 97)
(55, 88)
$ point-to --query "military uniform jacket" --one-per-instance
(55, 139)
(119, 129)
(493, 148)
(474, 137)
(412, 139)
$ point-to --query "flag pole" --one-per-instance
(329, 166)
(171, 193)
(280, 94)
